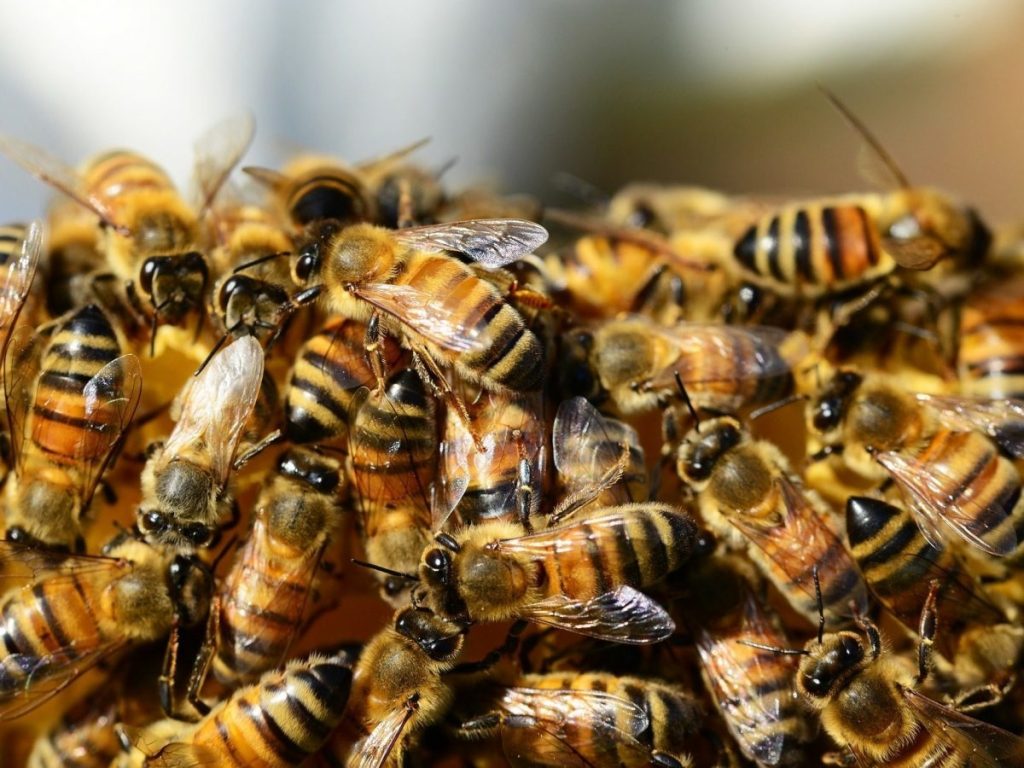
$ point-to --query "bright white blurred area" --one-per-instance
(718, 92)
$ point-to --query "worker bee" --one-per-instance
(434, 303)
(329, 370)
(503, 480)
(746, 496)
(81, 610)
(393, 459)
(149, 233)
(405, 193)
(868, 703)
(582, 576)
(279, 721)
(68, 407)
(594, 719)
(824, 247)
(262, 601)
(638, 364)
(940, 450)
(74, 256)
(990, 344)
(85, 738)
(185, 492)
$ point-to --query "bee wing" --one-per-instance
(182, 755)
(217, 152)
(45, 676)
(492, 243)
(798, 545)
(20, 368)
(455, 451)
(19, 562)
(217, 403)
(1002, 420)
(587, 445)
(624, 615)
(425, 315)
(17, 282)
(561, 727)
(918, 253)
(925, 486)
(373, 751)
(59, 175)
(385, 162)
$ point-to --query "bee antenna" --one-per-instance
(448, 541)
(445, 168)
(775, 648)
(382, 569)
(821, 604)
(261, 260)
(764, 410)
(867, 135)
(687, 401)
(216, 348)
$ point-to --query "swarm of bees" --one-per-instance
(332, 465)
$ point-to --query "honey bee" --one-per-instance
(868, 703)
(74, 256)
(185, 492)
(405, 193)
(582, 576)
(85, 738)
(595, 719)
(746, 496)
(274, 723)
(827, 246)
(68, 407)
(81, 610)
(635, 363)
(329, 370)
(149, 233)
(262, 601)
(393, 459)
(939, 450)
(434, 303)
(990, 348)
(481, 202)
(504, 480)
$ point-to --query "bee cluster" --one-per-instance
(339, 467)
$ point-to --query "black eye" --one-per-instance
(307, 263)
(642, 216)
(16, 535)
(152, 522)
(197, 534)
(728, 438)
(585, 339)
(437, 561)
(827, 414)
(442, 648)
(324, 482)
(851, 651)
(815, 684)
(394, 585)
(580, 381)
(150, 267)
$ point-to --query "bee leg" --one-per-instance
(373, 344)
(250, 453)
(165, 683)
(845, 758)
(524, 495)
(434, 378)
(201, 667)
(406, 206)
(926, 631)
(983, 696)
(508, 648)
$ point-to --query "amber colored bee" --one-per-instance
(582, 576)
(990, 345)
(393, 460)
(86, 737)
(68, 408)
(277, 722)
(263, 599)
(81, 610)
(869, 705)
(747, 497)
(150, 235)
(635, 362)
(940, 450)
(434, 303)
(596, 718)
(185, 491)
(503, 480)
(329, 370)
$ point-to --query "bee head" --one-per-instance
(577, 377)
(699, 454)
(828, 411)
(174, 284)
(829, 664)
(439, 638)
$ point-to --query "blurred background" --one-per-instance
(714, 92)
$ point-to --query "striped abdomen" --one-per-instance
(280, 721)
(328, 371)
(328, 193)
(56, 426)
(120, 173)
(509, 355)
(991, 345)
(814, 249)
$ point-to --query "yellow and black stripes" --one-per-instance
(327, 193)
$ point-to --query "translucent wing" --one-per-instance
(17, 280)
(587, 445)
(216, 404)
(490, 242)
(43, 677)
(622, 616)
(22, 563)
(927, 486)
(373, 751)
(20, 368)
(920, 252)
(1002, 420)
(217, 152)
(385, 162)
(562, 728)
(58, 175)
(456, 453)
(426, 316)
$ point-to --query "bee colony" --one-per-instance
(333, 465)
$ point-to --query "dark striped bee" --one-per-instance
(990, 342)
(746, 496)
(940, 450)
(278, 722)
(68, 406)
(594, 719)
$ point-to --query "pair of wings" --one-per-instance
(492, 243)
(216, 404)
(217, 152)
(1000, 420)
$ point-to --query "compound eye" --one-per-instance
(436, 560)
(826, 415)
(443, 648)
(152, 522)
(324, 482)
(852, 651)
(150, 267)
(815, 685)
(307, 263)
(197, 534)
(585, 339)
(394, 586)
